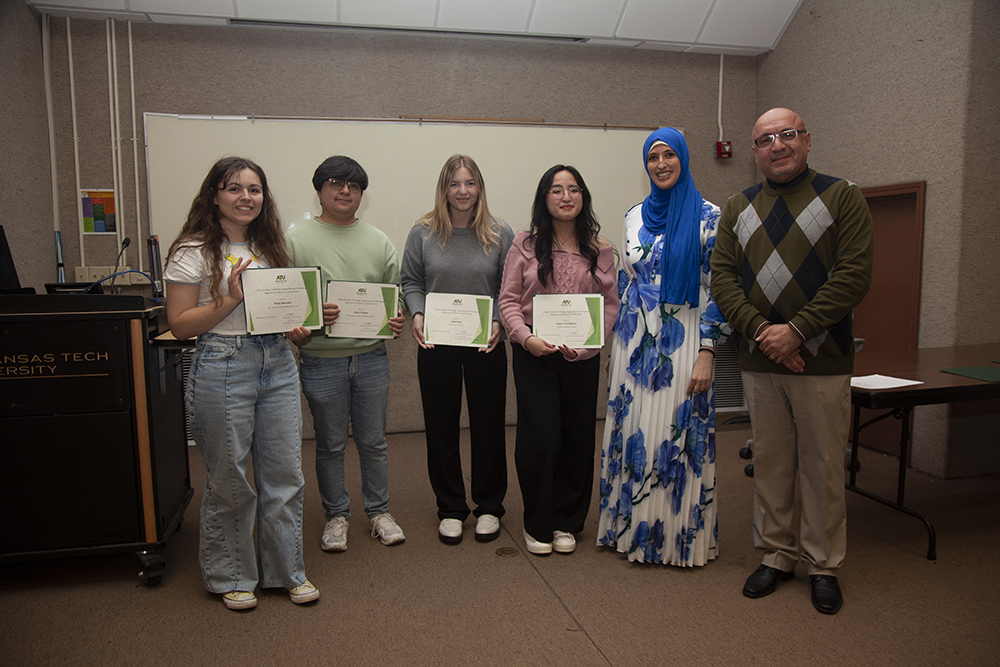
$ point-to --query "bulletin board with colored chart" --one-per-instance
(98, 211)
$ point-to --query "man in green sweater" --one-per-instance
(792, 259)
(346, 380)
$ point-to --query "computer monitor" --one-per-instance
(9, 282)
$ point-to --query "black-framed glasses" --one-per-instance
(786, 136)
(338, 185)
(557, 191)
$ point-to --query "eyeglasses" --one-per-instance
(338, 185)
(558, 190)
(786, 136)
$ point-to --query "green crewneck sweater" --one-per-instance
(801, 255)
(357, 252)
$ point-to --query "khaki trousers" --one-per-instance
(801, 425)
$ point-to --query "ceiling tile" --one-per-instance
(389, 13)
(484, 15)
(306, 11)
(664, 20)
(587, 18)
(758, 23)
(185, 7)
(80, 4)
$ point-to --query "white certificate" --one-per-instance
(465, 320)
(278, 300)
(365, 309)
(573, 320)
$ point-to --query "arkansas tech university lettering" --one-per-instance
(53, 364)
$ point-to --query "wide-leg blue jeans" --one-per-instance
(243, 401)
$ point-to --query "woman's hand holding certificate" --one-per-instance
(575, 321)
(279, 300)
(464, 320)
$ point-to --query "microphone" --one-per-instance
(125, 243)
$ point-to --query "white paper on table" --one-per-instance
(881, 382)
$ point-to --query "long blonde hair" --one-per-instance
(439, 220)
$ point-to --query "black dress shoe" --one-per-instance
(764, 580)
(826, 595)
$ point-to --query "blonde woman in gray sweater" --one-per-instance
(460, 248)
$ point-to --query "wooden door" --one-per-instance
(889, 316)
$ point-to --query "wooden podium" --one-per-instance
(93, 452)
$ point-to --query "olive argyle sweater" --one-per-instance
(799, 254)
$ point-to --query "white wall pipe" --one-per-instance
(135, 148)
(76, 141)
(47, 70)
(721, 59)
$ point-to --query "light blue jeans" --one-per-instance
(243, 400)
(351, 391)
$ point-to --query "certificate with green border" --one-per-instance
(573, 320)
(464, 320)
(365, 309)
(279, 300)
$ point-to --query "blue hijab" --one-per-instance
(676, 214)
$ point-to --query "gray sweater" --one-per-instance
(461, 268)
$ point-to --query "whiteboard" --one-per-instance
(403, 160)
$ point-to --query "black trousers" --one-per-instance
(556, 440)
(441, 371)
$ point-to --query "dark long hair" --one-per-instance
(587, 227)
(203, 228)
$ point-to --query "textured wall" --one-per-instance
(204, 70)
(25, 187)
(893, 91)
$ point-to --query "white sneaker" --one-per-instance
(450, 531)
(384, 527)
(536, 547)
(304, 592)
(487, 528)
(335, 534)
(239, 600)
(563, 542)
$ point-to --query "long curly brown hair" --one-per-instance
(203, 228)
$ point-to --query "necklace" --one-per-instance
(561, 244)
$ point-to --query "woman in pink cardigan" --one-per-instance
(556, 386)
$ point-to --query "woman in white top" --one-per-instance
(243, 391)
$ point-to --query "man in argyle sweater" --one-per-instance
(792, 259)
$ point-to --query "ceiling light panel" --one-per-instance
(664, 20)
(759, 23)
(389, 13)
(585, 18)
(222, 8)
(484, 15)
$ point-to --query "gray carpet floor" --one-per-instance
(426, 603)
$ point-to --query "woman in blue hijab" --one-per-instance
(657, 492)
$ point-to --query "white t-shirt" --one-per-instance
(190, 266)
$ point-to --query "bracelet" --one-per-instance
(707, 349)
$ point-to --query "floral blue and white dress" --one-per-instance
(657, 494)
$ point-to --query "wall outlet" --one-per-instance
(95, 273)
(81, 274)
(125, 279)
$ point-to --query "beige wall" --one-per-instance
(892, 91)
